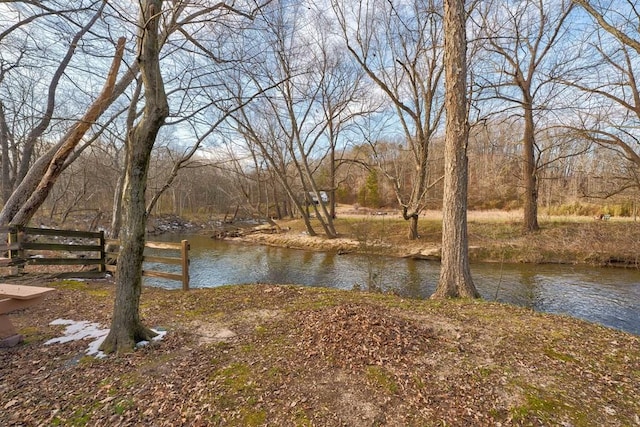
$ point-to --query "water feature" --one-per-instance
(603, 295)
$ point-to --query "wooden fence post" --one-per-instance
(184, 254)
(102, 268)
(16, 236)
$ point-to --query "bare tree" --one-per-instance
(399, 46)
(126, 325)
(58, 161)
(455, 274)
(296, 127)
(611, 92)
(524, 65)
(28, 173)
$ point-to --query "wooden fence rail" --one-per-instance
(90, 250)
(182, 260)
(21, 239)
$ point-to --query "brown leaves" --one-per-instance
(355, 335)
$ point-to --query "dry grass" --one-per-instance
(493, 236)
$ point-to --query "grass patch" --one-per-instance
(72, 285)
(237, 377)
(547, 408)
(553, 354)
(381, 378)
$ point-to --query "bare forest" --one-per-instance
(275, 105)
(309, 115)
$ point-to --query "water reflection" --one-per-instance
(607, 296)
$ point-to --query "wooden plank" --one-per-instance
(162, 275)
(163, 245)
(162, 260)
(103, 254)
(22, 292)
(10, 262)
(184, 258)
(16, 238)
(11, 304)
(150, 245)
(61, 233)
(65, 261)
(111, 268)
(61, 247)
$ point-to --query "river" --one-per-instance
(608, 296)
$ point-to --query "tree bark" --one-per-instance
(413, 226)
(455, 274)
(4, 146)
(126, 326)
(529, 172)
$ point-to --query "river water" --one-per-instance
(607, 296)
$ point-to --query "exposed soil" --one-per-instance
(283, 355)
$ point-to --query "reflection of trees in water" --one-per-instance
(530, 288)
(412, 285)
(517, 285)
(608, 296)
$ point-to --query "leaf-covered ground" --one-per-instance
(256, 355)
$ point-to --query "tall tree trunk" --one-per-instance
(529, 173)
(413, 227)
(332, 182)
(6, 165)
(455, 274)
(126, 325)
(412, 212)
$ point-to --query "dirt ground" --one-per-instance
(253, 355)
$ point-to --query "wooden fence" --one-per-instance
(90, 249)
(182, 260)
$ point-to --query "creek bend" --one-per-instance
(609, 296)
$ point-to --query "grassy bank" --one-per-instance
(493, 237)
(282, 355)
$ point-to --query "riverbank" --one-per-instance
(284, 355)
(493, 237)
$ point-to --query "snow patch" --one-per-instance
(80, 330)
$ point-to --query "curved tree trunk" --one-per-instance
(455, 274)
(126, 326)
